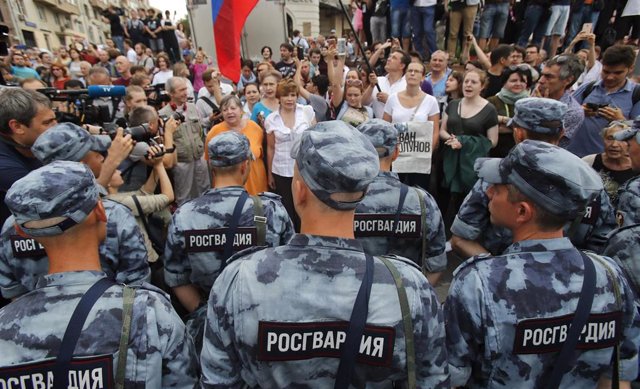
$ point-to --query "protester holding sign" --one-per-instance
(416, 145)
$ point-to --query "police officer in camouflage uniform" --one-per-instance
(280, 317)
(59, 205)
(420, 233)
(509, 316)
(473, 234)
(197, 246)
(123, 254)
(624, 243)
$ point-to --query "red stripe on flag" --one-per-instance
(227, 29)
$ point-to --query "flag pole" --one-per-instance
(366, 60)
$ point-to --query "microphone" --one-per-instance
(106, 91)
(92, 91)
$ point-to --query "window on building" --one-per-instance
(46, 41)
(42, 13)
(29, 38)
(56, 18)
(80, 26)
(21, 7)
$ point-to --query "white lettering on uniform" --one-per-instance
(612, 330)
(592, 333)
(296, 342)
(340, 338)
(378, 344)
(283, 342)
(365, 345)
(587, 212)
(272, 338)
(329, 341)
(38, 381)
(96, 376)
(10, 382)
(528, 334)
(73, 380)
(317, 340)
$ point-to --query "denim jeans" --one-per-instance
(494, 20)
(580, 16)
(400, 24)
(533, 24)
(119, 41)
(424, 26)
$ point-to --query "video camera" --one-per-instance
(156, 95)
(82, 102)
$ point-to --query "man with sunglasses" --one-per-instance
(556, 79)
(615, 97)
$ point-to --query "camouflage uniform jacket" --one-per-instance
(473, 223)
(491, 298)
(160, 353)
(192, 255)
(123, 255)
(310, 285)
(378, 238)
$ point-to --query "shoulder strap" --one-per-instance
(128, 295)
(404, 189)
(587, 91)
(615, 376)
(72, 333)
(423, 222)
(209, 103)
(357, 322)
(233, 226)
(579, 320)
(157, 247)
(406, 321)
(635, 96)
(260, 220)
(415, 111)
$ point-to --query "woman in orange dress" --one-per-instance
(234, 120)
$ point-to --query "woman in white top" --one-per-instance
(413, 105)
(284, 127)
(164, 70)
(74, 64)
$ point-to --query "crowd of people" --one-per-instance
(348, 169)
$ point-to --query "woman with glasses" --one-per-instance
(614, 165)
(413, 105)
(284, 126)
(516, 81)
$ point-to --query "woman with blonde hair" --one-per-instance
(235, 120)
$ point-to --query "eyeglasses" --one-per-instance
(521, 67)
(560, 59)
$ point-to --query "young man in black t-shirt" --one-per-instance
(287, 67)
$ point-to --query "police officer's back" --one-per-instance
(75, 310)
(510, 316)
(419, 234)
(122, 253)
(280, 317)
(225, 219)
(472, 233)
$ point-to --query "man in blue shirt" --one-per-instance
(19, 68)
(605, 101)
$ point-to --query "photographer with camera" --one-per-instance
(154, 131)
(143, 202)
(190, 175)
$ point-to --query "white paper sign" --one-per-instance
(415, 148)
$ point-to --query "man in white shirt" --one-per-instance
(391, 83)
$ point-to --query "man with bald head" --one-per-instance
(123, 66)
